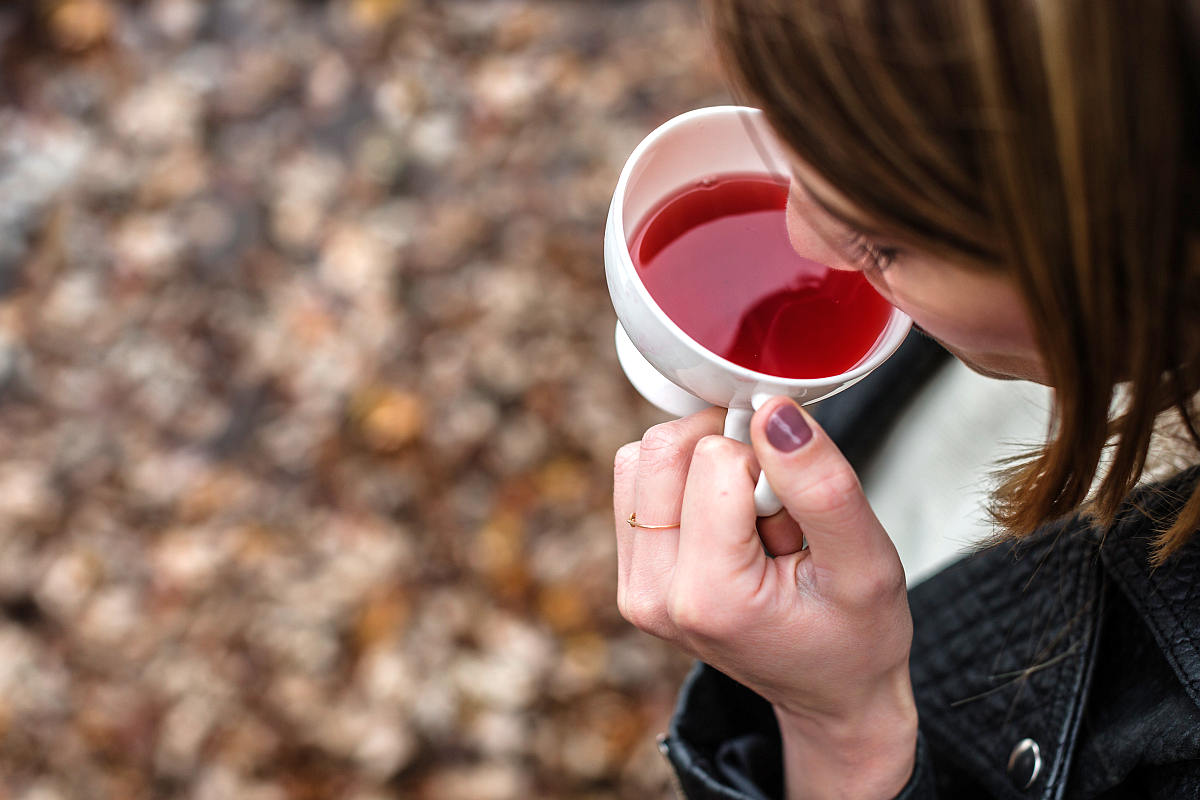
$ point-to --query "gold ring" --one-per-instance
(633, 523)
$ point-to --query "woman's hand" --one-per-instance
(822, 633)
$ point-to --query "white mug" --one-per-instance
(667, 366)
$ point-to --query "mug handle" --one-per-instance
(737, 426)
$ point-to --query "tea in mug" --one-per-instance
(716, 258)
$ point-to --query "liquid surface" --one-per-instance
(716, 258)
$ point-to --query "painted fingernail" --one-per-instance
(787, 430)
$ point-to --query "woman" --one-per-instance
(1021, 179)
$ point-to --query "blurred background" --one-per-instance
(308, 397)
(308, 400)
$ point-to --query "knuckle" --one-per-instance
(715, 448)
(685, 612)
(876, 587)
(641, 612)
(694, 615)
(626, 459)
(661, 444)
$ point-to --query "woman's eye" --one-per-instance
(869, 255)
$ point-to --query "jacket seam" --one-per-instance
(1075, 689)
(1059, 709)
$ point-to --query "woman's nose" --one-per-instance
(805, 237)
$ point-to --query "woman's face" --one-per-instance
(977, 316)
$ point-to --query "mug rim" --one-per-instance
(890, 338)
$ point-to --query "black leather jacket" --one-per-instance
(1061, 667)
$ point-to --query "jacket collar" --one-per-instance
(1167, 598)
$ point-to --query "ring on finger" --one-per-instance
(633, 523)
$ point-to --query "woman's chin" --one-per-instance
(1002, 367)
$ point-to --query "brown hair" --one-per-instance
(1057, 141)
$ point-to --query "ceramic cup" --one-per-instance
(667, 367)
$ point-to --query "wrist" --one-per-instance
(867, 754)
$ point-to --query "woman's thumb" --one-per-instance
(817, 486)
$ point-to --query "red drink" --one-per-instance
(716, 258)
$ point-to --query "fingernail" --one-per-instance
(787, 430)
